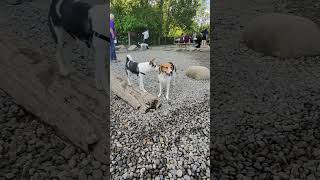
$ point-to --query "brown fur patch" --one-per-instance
(166, 68)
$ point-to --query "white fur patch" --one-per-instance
(129, 57)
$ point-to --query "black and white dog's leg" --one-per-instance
(60, 54)
(160, 88)
(168, 88)
(128, 77)
(174, 78)
(100, 57)
(141, 85)
(98, 17)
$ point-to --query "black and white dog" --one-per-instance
(143, 46)
(140, 69)
(86, 24)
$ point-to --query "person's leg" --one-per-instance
(147, 43)
(111, 44)
(113, 55)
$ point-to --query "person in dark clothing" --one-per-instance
(181, 38)
(204, 37)
(198, 41)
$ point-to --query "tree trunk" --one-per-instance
(129, 40)
(70, 104)
(139, 100)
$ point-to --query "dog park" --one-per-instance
(55, 114)
(160, 115)
(264, 124)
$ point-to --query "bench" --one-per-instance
(183, 44)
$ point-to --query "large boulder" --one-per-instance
(283, 35)
(191, 49)
(120, 47)
(132, 48)
(179, 49)
(198, 72)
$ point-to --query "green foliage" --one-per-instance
(132, 24)
(183, 12)
(163, 18)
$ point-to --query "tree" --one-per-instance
(183, 12)
(162, 17)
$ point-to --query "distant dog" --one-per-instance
(140, 69)
(87, 25)
(143, 46)
(167, 73)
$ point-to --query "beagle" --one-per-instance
(167, 72)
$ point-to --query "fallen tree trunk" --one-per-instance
(72, 105)
(140, 100)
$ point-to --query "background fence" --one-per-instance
(136, 38)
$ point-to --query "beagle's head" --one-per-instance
(167, 68)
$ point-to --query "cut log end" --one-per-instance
(142, 101)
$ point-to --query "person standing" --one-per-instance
(113, 56)
(204, 38)
(194, 39)
(146, 37)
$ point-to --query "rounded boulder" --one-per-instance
(283, 35)
(198, 73)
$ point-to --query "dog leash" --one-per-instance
(101, 36)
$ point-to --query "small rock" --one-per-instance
(97, 174)
(186, 177)
(68, 152)
(82, 175)
(10, 175)
(96, 164)
(72, 163)
(179, 173)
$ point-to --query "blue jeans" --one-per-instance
(113, 55)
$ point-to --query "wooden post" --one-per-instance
(129, 43)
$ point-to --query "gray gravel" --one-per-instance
(172, 142)
(31, 150)
(266, 123)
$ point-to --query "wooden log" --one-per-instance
(142, 101)
(72, 105)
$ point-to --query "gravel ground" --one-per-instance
(172, 142)
(31, 150)
(265, 122)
